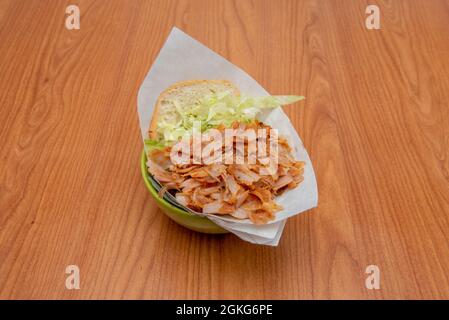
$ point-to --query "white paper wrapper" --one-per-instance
(183, 58)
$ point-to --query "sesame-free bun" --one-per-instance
(187, 94)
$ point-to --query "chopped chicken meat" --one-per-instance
(239, 190)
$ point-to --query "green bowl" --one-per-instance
(184, 218)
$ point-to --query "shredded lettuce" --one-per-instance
(216, 109)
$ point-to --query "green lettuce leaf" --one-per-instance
(217, 109)
(151, 144)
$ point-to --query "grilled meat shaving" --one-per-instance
(238, 190)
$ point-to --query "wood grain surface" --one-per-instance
(375, 122)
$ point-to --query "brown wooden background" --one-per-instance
(375, 122)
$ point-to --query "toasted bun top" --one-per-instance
(187, 93)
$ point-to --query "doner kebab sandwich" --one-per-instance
(207, 149)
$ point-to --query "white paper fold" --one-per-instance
(184, 58)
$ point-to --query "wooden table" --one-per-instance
(375, 122)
